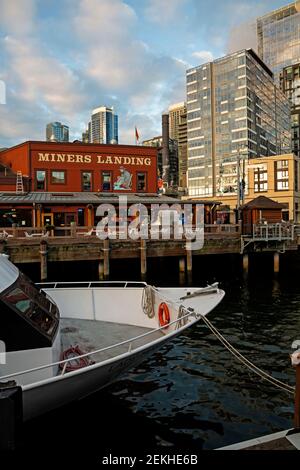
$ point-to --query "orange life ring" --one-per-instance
(163, 314)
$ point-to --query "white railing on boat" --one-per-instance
(90, 284)
(190, 312)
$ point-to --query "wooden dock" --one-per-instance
(82, 244)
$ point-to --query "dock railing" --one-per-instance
(74, 231)
(278, 231)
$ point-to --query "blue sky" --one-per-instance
(61, 58)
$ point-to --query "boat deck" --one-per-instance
(91, 335)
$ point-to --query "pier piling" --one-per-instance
(101, 270)
(189, 260)
(276, 262)
(43, 260)
(106, 258)
(245, 263)
(182, 265)
(143, 249)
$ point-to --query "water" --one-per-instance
(192, 394)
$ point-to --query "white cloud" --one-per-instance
(38, 78)
(203, 56)
(105, 63)
(18, 16)
(164, 11)
(242, 37)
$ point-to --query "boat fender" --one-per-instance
(163, 314)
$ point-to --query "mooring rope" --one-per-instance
(256, 370)
(148, 301)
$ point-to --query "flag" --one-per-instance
(136, 135)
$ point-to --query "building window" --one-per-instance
(260, 180)
(281, 175)
(40, 180)
(86, 181)
(106, 180)
(141, 181)
(58, 177)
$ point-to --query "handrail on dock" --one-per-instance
(74, 231)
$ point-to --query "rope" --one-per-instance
(181, 317)
(264, 375)
(148, 302)
(256, 370)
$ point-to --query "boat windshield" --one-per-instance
(31, 310)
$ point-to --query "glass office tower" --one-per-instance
(278, 35)
(290, 85)
(103, 128)
(234, 111)
(58, 132)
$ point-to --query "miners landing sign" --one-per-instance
(86, 158)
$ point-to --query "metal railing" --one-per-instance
(276, 231)
(188, 313)
(89, 284)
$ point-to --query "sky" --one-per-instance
(59, 59)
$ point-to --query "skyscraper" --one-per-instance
(290, 85)
(103, 126)
(178, 133)
(57, 132)
(232, 105)
(278, 35)
(175, 111)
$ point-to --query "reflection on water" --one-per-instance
(193, 393)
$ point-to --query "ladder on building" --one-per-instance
(19, 184)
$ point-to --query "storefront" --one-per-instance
(77, 167)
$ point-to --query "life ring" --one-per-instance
(163, 314)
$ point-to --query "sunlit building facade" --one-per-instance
(290, 85)
(278, 35)
(234, 112)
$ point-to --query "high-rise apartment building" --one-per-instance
(103, 128)
(182, 150)
(278, 35)
(57, 132)
(233, 107)
(290, 85)
(178, 133)
(175, 111)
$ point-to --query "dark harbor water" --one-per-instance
(192, 394)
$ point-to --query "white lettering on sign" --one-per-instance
(104, 159)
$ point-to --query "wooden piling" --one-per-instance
(143, 249)
(101, 270)
(182, 265)
(276, 262)
(245, 263)
(106, 257)
(189, 260)
(43, 259)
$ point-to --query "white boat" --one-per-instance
(116, 325)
